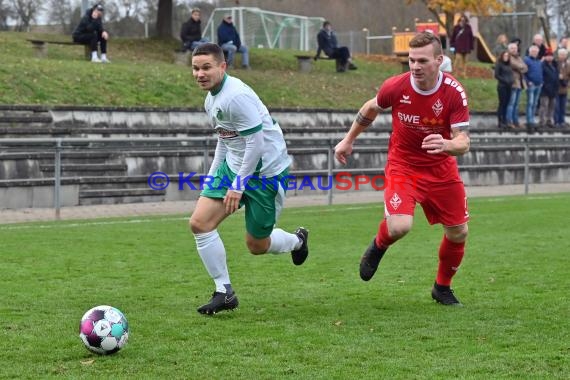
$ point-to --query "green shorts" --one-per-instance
(263, 198)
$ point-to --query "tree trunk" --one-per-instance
(164, 19)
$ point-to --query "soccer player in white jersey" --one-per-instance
(250, 168)
(430, 120)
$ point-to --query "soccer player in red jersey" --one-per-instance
(430, 120)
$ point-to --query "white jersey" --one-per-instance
(236, 111)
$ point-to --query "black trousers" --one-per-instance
(342, 54)
(504, 93)
(92, 39)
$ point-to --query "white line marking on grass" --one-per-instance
(88, 224)
(51, 225)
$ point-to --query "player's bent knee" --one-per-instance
(198, 226)
(257, 246)
(457, 234)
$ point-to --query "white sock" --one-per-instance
(213, 254)
(282, 241)
(103, 57)
(94, 54)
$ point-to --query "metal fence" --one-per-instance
(319, 145)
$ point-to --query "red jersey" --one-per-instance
(417, 113)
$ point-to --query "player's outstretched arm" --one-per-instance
(364, 118)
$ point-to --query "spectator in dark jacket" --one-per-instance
(90, 32)
(462, 44)
(327, 43)
(563, 79)
(533, 80)
(505, 79)
(549, 89)
(230, 42)
(191, 32)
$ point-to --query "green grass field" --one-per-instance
(317, 321)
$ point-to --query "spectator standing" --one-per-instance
(462, 44)
(328, 43)
(191, 31)
(533, 80)
(501, 45)
(538, 41)
(230, 42)
(90, 32)
(549, 89)
(562, 97)
(505, 79)
(519, 69)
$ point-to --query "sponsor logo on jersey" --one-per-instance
(405, 99)
(395, 201)
(437, 107)
(407, 118)
(225, 134)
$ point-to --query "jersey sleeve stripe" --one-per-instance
(461, 125)
(250, 131)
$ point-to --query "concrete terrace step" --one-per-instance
(119, 196)
(96, 193)
(79, 169)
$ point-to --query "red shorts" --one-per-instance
(439, 190)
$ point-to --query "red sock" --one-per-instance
(383, 239)
(450, 256)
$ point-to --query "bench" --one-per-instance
(41, 47)
(305, 62)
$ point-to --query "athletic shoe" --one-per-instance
(444, 295)
(300, 255)
(95, 60)
(219, 302)
(105, 60)
(370, 261)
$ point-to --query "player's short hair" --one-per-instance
(427, 38)
(195, 10)
(210, 49)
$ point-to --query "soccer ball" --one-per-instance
(104, 330)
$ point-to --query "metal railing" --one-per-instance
(325, 145)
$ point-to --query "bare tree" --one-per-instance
(59, 12)
(26, 11)
(5, 13)
(164, 19)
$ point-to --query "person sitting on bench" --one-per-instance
(191, 32)
(327, 42)
(90, 32)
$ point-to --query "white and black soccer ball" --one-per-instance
(104, 330)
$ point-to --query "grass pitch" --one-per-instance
(317, 321)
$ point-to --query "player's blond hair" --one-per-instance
(426, 38)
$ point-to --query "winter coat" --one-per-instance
(564, 70)
(462, 39)
(88, 25)
(534, 73)
(191, 31)
(227, 32)
(327, 42)
(550, 76)
(519, 69)
(504, 74)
